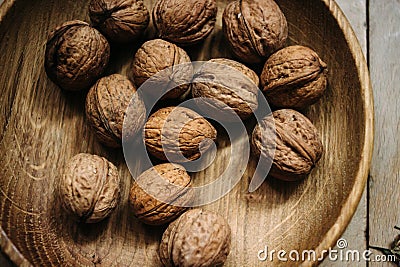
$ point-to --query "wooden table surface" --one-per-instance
(377, 25)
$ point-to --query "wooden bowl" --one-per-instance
(42, 126)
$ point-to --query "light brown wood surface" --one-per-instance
(43, 126)
(355, 234)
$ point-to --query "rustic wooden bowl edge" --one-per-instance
(351, 204)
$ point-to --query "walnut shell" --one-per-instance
(158, 55)
(254, 29)
(152, 211)
(89, 188)
(229, 82)
(175, 130)
(197, 238)
(184, 22)
(106, 108)
(294, 77)
(76, 55)
(119, 20)
(298, 145)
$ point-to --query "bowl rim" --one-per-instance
(350, 205)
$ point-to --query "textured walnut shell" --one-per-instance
(294, 77)
(159, 55)
(184, 22)
(89, 188)
(106, 109)
(165, 202)
(298, 145)
(224, 81)
(197, 238)
(76, 55)
(254, 29)
(119, 20)
(175, 130)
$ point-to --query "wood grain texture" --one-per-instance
(385, 172)
(355, 234)
(43, 126)
(356, 13)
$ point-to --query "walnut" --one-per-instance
(184, 22)
(106, 109)
(298, 145)
(294, 77)
(119, 20)
(180, 133)
(76, 55)
(158, 55)
(254, 29)
(89, 188)
(166, 201)
(197, 238)
(224, 81)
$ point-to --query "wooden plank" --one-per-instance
(356, 13)
(385, 171)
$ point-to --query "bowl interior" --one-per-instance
(41, 127)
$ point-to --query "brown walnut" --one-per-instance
(89, 188)
(76, 55)
(254, 29)
(178, 132)
(156, 201)
(184, 22)
(224, 82)
(298, 145)
(197, 238)
(159, 55)
(294, 77)
(119, 20)
(106, 109)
